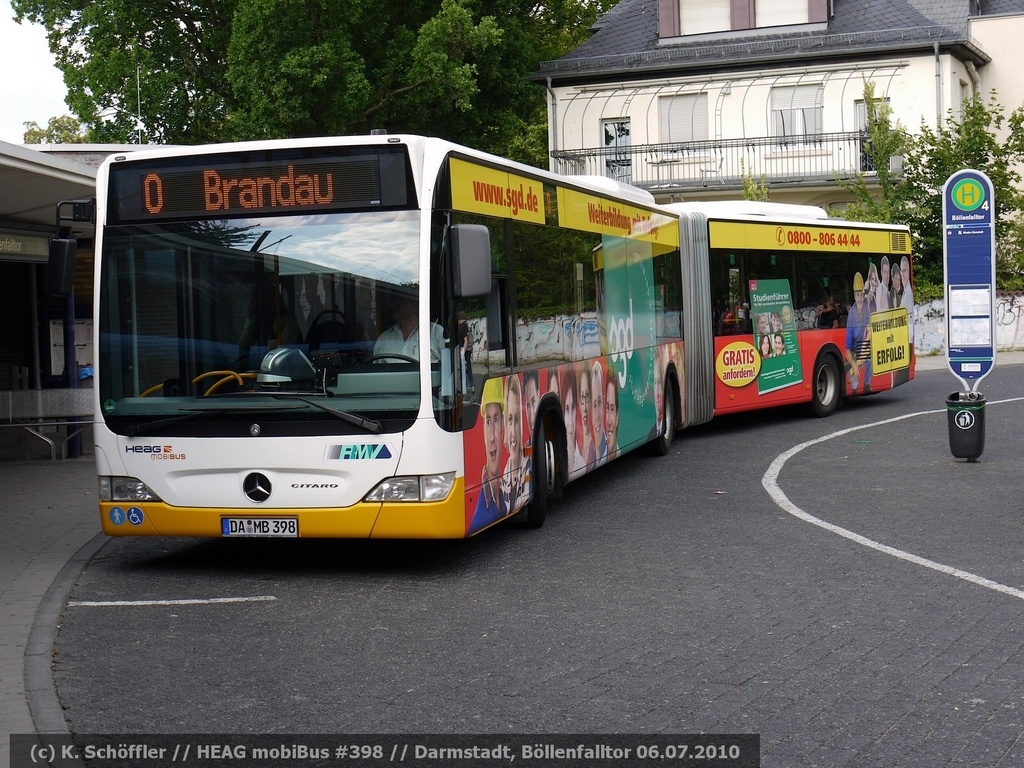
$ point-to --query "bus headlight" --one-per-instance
(414, 488)
(125, 489)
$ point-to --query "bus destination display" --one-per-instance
(232, 186)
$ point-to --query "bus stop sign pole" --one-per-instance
(968, 260)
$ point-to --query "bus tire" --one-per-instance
(661, 445)
(825, 387)
(542, 474)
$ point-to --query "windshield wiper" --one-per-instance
(142, 428)
(368, 424)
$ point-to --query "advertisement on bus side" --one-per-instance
(610, 402)
(601, 419)
(771, 305)
(872, 333)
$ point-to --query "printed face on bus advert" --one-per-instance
(597, 403)
(531, 393)
(493, 431)
(584, 408)
(568, 391)
(611, 414)
(513, 423)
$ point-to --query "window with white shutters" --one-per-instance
(699, 16)
(777, 13)
(797, 110)
(683, 117)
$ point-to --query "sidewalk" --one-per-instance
(51, 531)
(938, 362)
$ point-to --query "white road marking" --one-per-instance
(195, 601)
(770, 483)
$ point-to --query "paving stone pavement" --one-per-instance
(50, 532)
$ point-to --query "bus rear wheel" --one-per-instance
(542, 474)
(825, 392)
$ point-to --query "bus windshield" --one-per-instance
(209, 323)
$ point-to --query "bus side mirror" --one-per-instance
(60, 272)
(471, 260)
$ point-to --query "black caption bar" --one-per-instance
(373, 751)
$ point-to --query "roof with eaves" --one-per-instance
(625, 40)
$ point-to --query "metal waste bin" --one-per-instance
(965, 415)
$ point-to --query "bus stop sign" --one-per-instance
(968, 255)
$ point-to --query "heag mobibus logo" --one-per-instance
(156, 452)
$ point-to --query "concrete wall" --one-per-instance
(930, 325)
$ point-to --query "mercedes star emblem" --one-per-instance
(257, 487)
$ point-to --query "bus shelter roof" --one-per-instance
(32, 183)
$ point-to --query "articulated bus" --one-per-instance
(398, 337)
(788, 306)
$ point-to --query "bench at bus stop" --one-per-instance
(53, 416)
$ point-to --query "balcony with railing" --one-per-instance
(697, 166)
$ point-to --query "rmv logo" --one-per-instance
(361, 451)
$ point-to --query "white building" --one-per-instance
(687, 97)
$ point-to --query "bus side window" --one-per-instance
(743, 316)
(497, 316)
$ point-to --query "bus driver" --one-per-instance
(403, 338)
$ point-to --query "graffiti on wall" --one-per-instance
(577, 338)
(930, 324)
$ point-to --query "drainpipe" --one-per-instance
(972, 72)
(554, 121)
(938, 88)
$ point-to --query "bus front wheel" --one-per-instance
(825, 391)
(542, 475)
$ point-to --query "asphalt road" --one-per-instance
(843, 587)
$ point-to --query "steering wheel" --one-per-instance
(393, 355)
(226, 376)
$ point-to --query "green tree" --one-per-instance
(884, 198)
(58, 130)
(510, 112)
(197, 71)
(306, 68)
(755, 189)
(981, 138)
(124, 61)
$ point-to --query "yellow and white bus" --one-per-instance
(379, 336)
